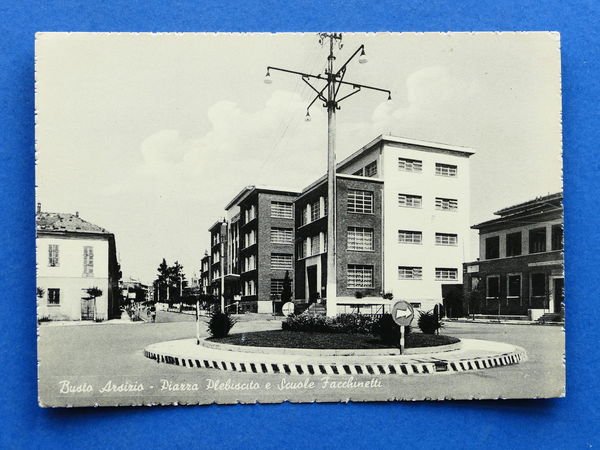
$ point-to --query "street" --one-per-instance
(104, 364)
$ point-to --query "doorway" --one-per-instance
(558, 294)
(87, 309)
(311, 275)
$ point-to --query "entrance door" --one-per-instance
(311, 275)
(559, 294)
(87, 309)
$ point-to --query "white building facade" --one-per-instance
(425, 214)
(73, 256)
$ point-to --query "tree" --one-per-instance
(94, 292)
(162, 278)
(286, 293)
(177, 279)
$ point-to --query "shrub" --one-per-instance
(344, 323)
(428, 322)
(358, 294)
(388, 296)
(220, 324)
(388, 331)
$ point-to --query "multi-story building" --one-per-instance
(402, 225)
(205, 273)
(73, 256)
(520, 268)
(218, 249)
(266, 230)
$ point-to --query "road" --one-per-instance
(104, 364)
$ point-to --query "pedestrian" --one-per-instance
(153, 313)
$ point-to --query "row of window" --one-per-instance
(311, 246)
(416, 237)
(88, 258)
(416, 165)
(537, 242)
(416, 201)
(314, 211)
(416, 273)
(514, 285)
(361, 276)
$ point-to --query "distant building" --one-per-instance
(402, 226)
(520, 270)
(74, 255)
(134, 290)
(205, 274)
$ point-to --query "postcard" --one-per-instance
(308, 217)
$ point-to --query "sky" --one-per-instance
(151, 135)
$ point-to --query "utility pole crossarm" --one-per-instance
(304, 75)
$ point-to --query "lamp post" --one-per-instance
(331, 97)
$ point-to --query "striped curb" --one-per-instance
(344, 365)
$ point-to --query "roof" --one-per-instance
(539, 205)
(323, 178)
(260, 188)
(435, 146)
(216, 224)
(66, 223)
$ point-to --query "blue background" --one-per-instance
(563, 423)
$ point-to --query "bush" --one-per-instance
(428, 322)
(344, 323)
(388, 331)
(220, 324)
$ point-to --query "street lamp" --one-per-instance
(330, 96)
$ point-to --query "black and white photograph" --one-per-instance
(306, 217)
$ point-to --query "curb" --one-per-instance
(384, 365)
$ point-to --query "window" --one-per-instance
(538, 285)
(315, 210)
(360, 239)
(446, 239)
(492, 247)
(250, 238)
(410, 165)
(314, 245)
(557, 237)
(360, 276)
(416, 305)
(276, 289)
(537, 240)
(410, 237)
(249, 263)
(301, 249)
(410, 201)
(281, 210)
(514, 285)
(88, 261)
(371, 169)
(281, 235)
(492, 286)
(446, 274)
(53, 255)
(249, 287)
(513, 244)
(410, 273)
(53, 296)
(360, 202)
(360, 172)
(445, 170)
(446, 204)
(281, 261)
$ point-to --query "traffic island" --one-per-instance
(465, 355)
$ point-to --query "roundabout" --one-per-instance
(466, 355)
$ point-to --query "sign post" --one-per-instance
(402, 313)
(197, 321)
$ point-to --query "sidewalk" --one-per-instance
(502, 322)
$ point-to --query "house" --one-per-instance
(402, 226)
(520, 269)
(73, 256)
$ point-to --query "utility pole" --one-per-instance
(334, 80)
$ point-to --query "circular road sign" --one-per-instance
(287, 309)
(403, 313)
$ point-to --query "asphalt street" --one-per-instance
(104, 364)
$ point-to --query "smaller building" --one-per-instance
(205, 274)
(520, 269)
(73, 256)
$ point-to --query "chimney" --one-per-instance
(76, 213)
(39, 208)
